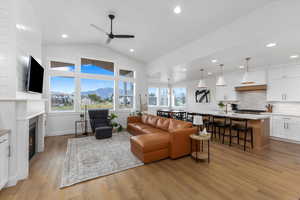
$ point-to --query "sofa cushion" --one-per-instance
(138, 125)
(150, 142)
(177, 124)
(152, 120)
(144, 119)
(163, 123)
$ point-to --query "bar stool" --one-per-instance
(221, 124)
(241, 126)
(190, 116)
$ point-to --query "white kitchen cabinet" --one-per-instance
(4, 156)
(286, 127)
(284, 84)
(275, 90)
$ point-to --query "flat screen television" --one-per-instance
(35, 76)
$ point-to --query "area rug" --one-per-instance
(88, 158)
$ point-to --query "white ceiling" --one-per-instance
(157, 29)
(231, 44)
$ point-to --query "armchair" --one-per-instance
(100, 123)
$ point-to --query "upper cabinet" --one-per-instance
(283, 84)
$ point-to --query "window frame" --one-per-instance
(133, 95)
(159, 95)
(173, 99)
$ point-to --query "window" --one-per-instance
(152, 96)
(126, 92)
(62, 93)
(163, 96)
(179, 96)
(90, 66)
(97, 93)
(93, 85)
(62, 66)
(126, 73)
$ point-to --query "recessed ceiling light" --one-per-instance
(214, 60)
(294, 56)
(177, 10)
(184, 69)
(64, 36)
(272, 44)
(209, 73)
(131, 50)
(242, 67)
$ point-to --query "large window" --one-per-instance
(179, 96)
(152, 96)
(97, 93)
(62, 91)
(90, 66)
(126, 93)
(163, 96)
(90, 84)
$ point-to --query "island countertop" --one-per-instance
(235, 115)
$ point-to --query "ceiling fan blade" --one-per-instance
(98, 28)
(123, 36)
(108, 40)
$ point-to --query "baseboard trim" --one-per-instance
(284, 140)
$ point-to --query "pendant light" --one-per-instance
(201, 83)
(246, 79)
(221, 81)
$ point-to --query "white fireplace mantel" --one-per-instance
(15, 115)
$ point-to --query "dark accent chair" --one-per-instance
(100, 123)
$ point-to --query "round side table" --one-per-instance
(197, 147)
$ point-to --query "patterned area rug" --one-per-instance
(88, 158)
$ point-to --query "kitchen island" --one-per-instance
(259, 123)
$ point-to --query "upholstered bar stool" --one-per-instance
(240, 126)
(220, 124)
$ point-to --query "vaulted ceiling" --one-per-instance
(157, 28)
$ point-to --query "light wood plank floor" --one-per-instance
(271, 174)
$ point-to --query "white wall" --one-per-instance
(15, 47)
(63, 123)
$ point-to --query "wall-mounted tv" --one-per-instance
(35, 76)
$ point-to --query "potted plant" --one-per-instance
(221, 106)
(116, 126)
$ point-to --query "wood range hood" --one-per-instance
(251, 88)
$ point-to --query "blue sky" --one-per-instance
(67, 84)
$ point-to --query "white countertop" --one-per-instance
(236, 115)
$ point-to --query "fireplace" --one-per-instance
(32, 137)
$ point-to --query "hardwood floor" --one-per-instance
(271, 174)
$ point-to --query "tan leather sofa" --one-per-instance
(155, 138)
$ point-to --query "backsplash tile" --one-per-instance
(256, 100)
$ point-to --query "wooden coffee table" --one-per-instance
(197, 147)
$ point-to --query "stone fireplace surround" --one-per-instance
(16, 115)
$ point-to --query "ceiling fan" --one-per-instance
(111, 35)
